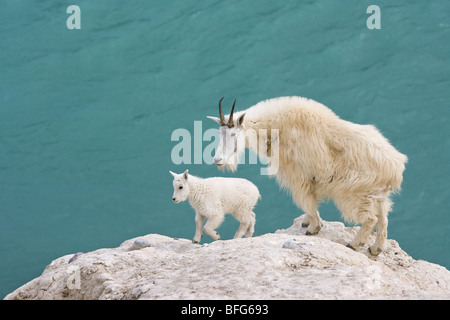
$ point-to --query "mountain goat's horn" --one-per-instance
(222, 117)
(230, 121)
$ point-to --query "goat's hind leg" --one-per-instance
(245, 218)
(210, 226)
(241, 230)
(364, 213)
(251, 227)
(363, 233)
(384, 206)
(380, 242)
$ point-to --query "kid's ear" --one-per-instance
(214, 119)
(173, 173)
(185, 174)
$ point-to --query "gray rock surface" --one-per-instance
(286, 264)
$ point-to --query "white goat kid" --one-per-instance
(212, 198)
(319, 156)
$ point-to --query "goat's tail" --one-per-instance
(397, 178)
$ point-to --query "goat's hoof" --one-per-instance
(315, 231)
(194, 241)
(375, 250)
(350, 246)
(305, 225)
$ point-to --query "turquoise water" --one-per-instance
(86, 116)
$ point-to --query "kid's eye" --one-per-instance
(180, 187)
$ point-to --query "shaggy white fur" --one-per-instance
(212, 198)
(322, 156)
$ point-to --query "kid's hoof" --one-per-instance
(193, 241)
(350, 246)
(305, 225)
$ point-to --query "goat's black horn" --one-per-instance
(222, 117)
(230, 121)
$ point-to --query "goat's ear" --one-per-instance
(173, 173)
(240, 120)
(185, 174)
(214, 119)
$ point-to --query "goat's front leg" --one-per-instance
(199, 219)
(308, 203)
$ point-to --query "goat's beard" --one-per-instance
(231, 164)
(229, 167)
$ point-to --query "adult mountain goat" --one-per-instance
(319, 156)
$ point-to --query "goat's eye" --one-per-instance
(180, 187)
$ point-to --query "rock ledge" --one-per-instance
(286, 264)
